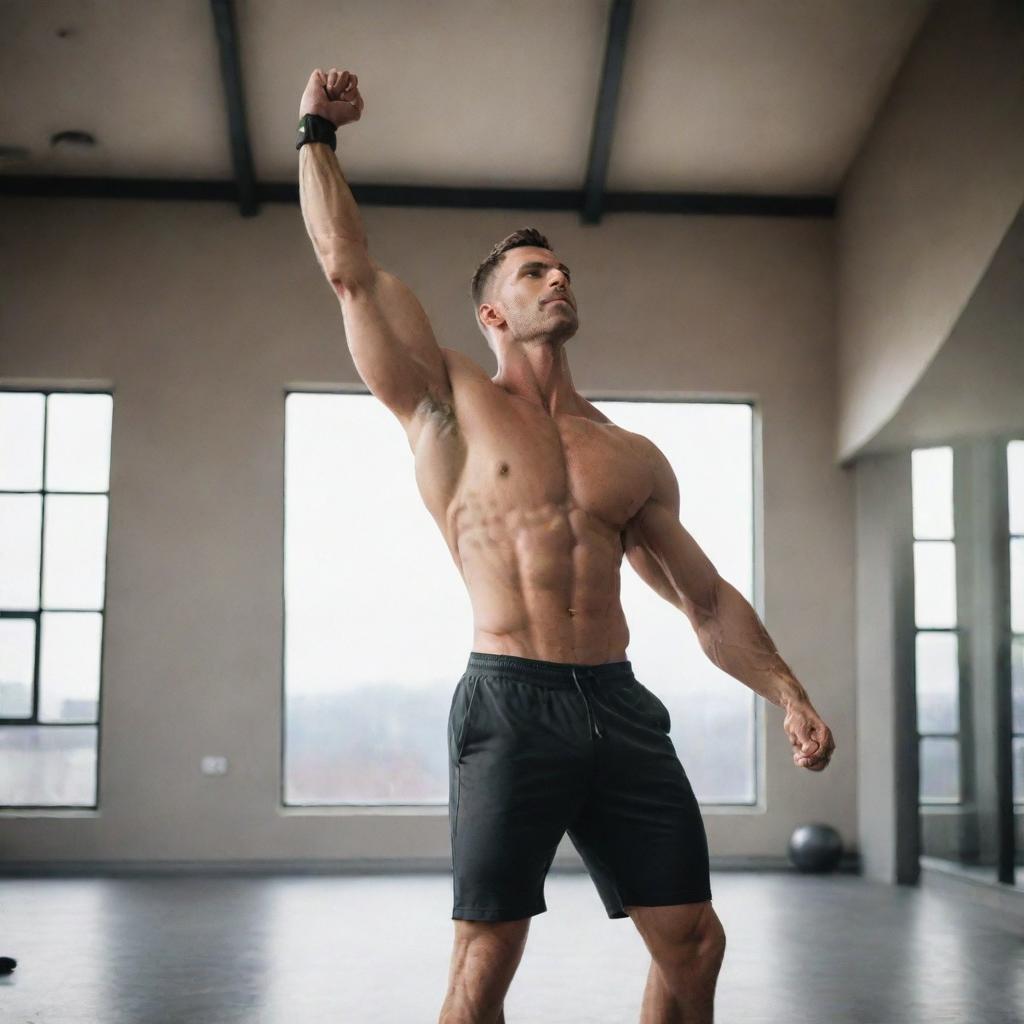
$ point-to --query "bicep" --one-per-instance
(393, 345)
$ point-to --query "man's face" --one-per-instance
(534, 291)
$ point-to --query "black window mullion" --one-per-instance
(1005, 816)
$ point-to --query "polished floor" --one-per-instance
(374, 950)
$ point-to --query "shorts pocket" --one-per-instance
(660, 704)
(646, 702)
(460, 718)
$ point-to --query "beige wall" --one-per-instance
(974, 387)
(200, 319)
(926, 203)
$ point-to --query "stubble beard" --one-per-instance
(557, 333)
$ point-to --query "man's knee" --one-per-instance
(484, 960)
(500, 935)
(711, 945)
(687, 938)
(486, 946)
(702, 950)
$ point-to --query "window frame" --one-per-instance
(758, 720)
(37, 615)
(981, 519)
(954, 630)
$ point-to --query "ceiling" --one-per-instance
(758, 97)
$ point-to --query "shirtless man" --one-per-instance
(539, 496)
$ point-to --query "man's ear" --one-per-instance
(490, 316)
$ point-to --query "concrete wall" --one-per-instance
(925, 204)
(974, 387)
(200, 320)
(887, 779)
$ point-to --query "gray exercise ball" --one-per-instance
(815, 848)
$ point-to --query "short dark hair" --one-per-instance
(484, 273)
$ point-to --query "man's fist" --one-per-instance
(334, 95)
(809, 736)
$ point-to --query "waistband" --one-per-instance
(559, 674)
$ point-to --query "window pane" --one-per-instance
(1015, 484)
(1017, 584)
(48, 766)
(940, 769)
(69, 667)
(21, 441)
(74, 551)
(380, 743)
(1018, 770)
(1017, 674)
(17, 659)
(712, 716)
(932, 485)
(366, 716)
(934, 584)
(78, 442)
(938, 703)
(19, 551)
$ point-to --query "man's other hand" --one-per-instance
(811, 738)
(334, 95)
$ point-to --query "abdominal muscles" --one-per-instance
(543, 582)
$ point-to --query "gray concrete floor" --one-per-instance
(374, 950)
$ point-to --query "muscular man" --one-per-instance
(539, 496)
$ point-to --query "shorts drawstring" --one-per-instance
(591, 713)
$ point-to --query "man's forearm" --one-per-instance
(735, 639)
(332, 217)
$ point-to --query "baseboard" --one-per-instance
(949, 877)
(363, 866)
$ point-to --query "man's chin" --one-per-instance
(565, 331)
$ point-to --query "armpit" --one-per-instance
(441, 412)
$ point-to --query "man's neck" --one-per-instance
(539, 372)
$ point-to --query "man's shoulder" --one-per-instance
(459, 363)
(643, 446)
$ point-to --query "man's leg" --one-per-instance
(484, 959)
(687, 943)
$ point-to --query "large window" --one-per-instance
(54, 484)
(1015, 488)
(935, 615)
(378, 624)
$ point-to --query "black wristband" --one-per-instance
(314, 128)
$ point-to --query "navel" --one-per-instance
(503, 469)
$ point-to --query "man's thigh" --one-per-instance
(519, 767)
(640, 832)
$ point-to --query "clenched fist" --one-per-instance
(334, 95)
(811, 739)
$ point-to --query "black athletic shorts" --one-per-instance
(538, 748)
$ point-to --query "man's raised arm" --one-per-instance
(388, 334)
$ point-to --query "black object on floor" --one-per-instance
(816, 848)
(7, 964)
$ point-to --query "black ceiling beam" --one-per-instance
(604, 114)
(563, 200)
(231, 75)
